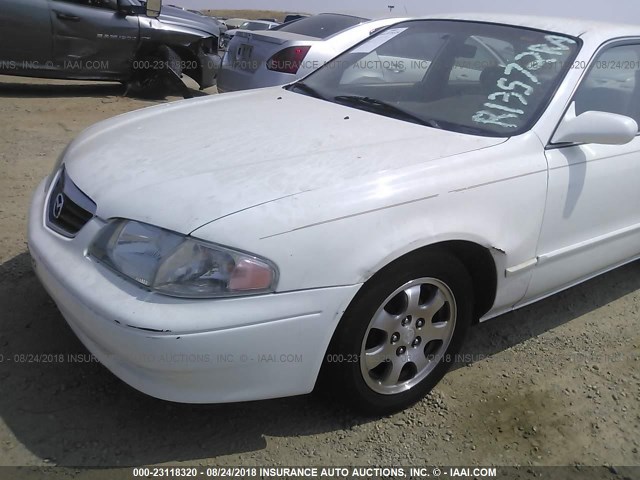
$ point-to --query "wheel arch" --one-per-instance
(171, 52)
(477, 259)
(481, 266)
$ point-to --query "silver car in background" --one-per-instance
(277, 57)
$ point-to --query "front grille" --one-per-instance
(68, 208)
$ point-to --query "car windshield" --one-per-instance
(470, 77)
(322, 26)
(254, 26)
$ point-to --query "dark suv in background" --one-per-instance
(121, 40)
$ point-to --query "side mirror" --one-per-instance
(596, 127)
(154, 7)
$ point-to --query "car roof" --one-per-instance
(340, 15)
(567, 26)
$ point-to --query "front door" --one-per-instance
(592, 216)
(92, 39)
(25, 36)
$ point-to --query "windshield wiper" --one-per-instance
(303, 87)
(385, 108)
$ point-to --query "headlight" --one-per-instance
(178, 265)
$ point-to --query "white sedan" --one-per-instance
(351, 229)
(291, 51)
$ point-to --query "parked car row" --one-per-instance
(139, 43)
(232, 23)
(249, 25)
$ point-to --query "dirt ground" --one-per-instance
(557, 383)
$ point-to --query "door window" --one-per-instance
(106, 4)
(613, 83)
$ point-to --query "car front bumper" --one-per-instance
(192, 351)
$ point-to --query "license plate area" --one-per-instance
(244, 52)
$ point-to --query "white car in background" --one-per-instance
(346, 232)
(249, 25)
(266, 59)
(232, 23)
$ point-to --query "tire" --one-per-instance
(401, 333)
(166, 78)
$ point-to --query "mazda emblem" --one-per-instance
(56, 210)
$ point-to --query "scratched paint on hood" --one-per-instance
(185, 164)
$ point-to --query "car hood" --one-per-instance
(182, 18)
(175, 166)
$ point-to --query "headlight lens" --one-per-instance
(180, 266)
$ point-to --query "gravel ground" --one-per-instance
(556, 383)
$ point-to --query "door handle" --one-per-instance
(66, 16)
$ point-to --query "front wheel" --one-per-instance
(400, 334)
